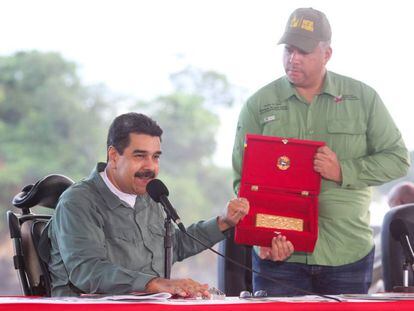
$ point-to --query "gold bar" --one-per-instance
(279, 222)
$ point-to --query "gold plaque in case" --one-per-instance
(279, 222)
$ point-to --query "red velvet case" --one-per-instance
(278, 179)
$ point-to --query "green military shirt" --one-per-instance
(99, 244)
(351, 119)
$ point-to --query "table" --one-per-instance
(229, 304)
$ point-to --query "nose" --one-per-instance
(293, 56)
(149, 162)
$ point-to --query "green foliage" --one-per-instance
(49, 122)
(189, 130)
(212, 87)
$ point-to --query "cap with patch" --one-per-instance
(305, 28)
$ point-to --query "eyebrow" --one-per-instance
(139, 151)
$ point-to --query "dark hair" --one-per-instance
(125, 124)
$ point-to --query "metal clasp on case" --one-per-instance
(254, 188)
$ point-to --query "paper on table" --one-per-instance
(132, 296)
(90, 299)
(379, 296)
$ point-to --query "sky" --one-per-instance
(132, 46)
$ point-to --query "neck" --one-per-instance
(111, 178)
(308, 92)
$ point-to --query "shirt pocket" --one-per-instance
(347, 137)
(347, 126)
(156, 242)
(124, 234)
(157, 231)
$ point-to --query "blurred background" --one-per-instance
(67, 68)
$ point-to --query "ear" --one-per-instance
(328, 54)
(113, 156)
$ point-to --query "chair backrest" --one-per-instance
(28, 234)
(391, 250)
(233, 279)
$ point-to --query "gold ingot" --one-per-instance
(279, 222)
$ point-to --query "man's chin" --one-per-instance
(295, 80)
(141, 185)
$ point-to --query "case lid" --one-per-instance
(276, 163)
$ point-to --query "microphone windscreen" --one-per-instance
(156, 189)
(398, 228)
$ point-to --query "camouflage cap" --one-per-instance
(305, 28)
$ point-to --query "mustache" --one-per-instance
(145, 174)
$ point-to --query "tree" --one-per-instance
(49, 121)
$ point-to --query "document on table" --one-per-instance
(133, 297)
(379, 296)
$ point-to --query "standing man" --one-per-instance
(363, 148)
(107, 235)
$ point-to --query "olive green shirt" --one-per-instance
(99, 244)
(351, 119)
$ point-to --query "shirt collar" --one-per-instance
(111, 200)
(288, 90)
(126, 197)
(329, 87)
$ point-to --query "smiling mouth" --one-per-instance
(144, 178)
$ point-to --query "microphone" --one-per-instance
(159, 193)
(400, 233)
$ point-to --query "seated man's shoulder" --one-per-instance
(82, 192)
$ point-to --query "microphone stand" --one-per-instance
(168, 255)
(405, 288)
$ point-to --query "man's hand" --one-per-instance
(236, 209)
(326, 163)
(279, 251)
(180, 287)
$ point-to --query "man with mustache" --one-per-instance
(363, 148)
(107, 234)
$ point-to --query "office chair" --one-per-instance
(30, 241)
(391, 251)
(232, 279)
